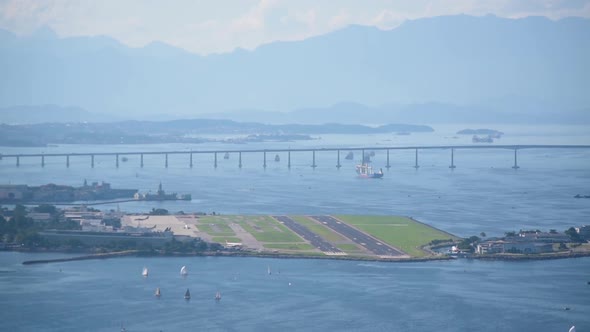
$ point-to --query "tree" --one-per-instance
(552, 231)
(574, 236)
(510, 234)
(482, 234)
(46, 208)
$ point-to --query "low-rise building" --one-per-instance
(512, 246)
(527, 247)
(543, 237)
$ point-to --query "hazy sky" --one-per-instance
(222, 25)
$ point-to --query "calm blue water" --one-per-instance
(307, 295)
(482, 194)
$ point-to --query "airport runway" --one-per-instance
(315, 240)
(372, 244)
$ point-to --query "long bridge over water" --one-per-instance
(337, 150)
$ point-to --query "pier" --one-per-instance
(336, 151)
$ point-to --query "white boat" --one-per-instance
(218, 296)
(187, 295)
(268, 270)
(144, 272)
(158, 294)
(183, 271)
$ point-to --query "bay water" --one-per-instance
(483, 194)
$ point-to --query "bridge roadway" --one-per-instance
(515, 148)
(308, 235)
(335, 149)
(372, 244)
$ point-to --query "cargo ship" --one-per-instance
(365, 170)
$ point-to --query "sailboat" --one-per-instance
(183, 271)
(218, 296)
(572, 329)
(158, 294)
(268, 270)
(187, 295)
(144, 272)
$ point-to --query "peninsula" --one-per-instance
(359, 237)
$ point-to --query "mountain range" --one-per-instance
(425, 69)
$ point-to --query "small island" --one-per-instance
(489, 132)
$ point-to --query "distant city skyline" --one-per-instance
(206, 27)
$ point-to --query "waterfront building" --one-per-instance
(9, 192)
(524, 247)
(534, 236)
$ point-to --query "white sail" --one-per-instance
(144, 272)
(268, 270)
(218, 296)
(158, 292)
(572, 329)
(187, 294)
(183, 271)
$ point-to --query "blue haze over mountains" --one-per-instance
(432, 70)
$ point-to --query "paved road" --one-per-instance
(308, 235)
(359, 237)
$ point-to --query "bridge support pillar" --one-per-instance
(92, 160)
(240, 159)
(215, 159)
(388, 166)
(166, 160)
(313, 165)
(68, 161)
(141, 160)
(17, 161)
(190, 162)
(264, 161)
(338, 160)
(42, 161)
(416, 166)
(117, 160)
(289, 159)
(515, 160)
(452, 159)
